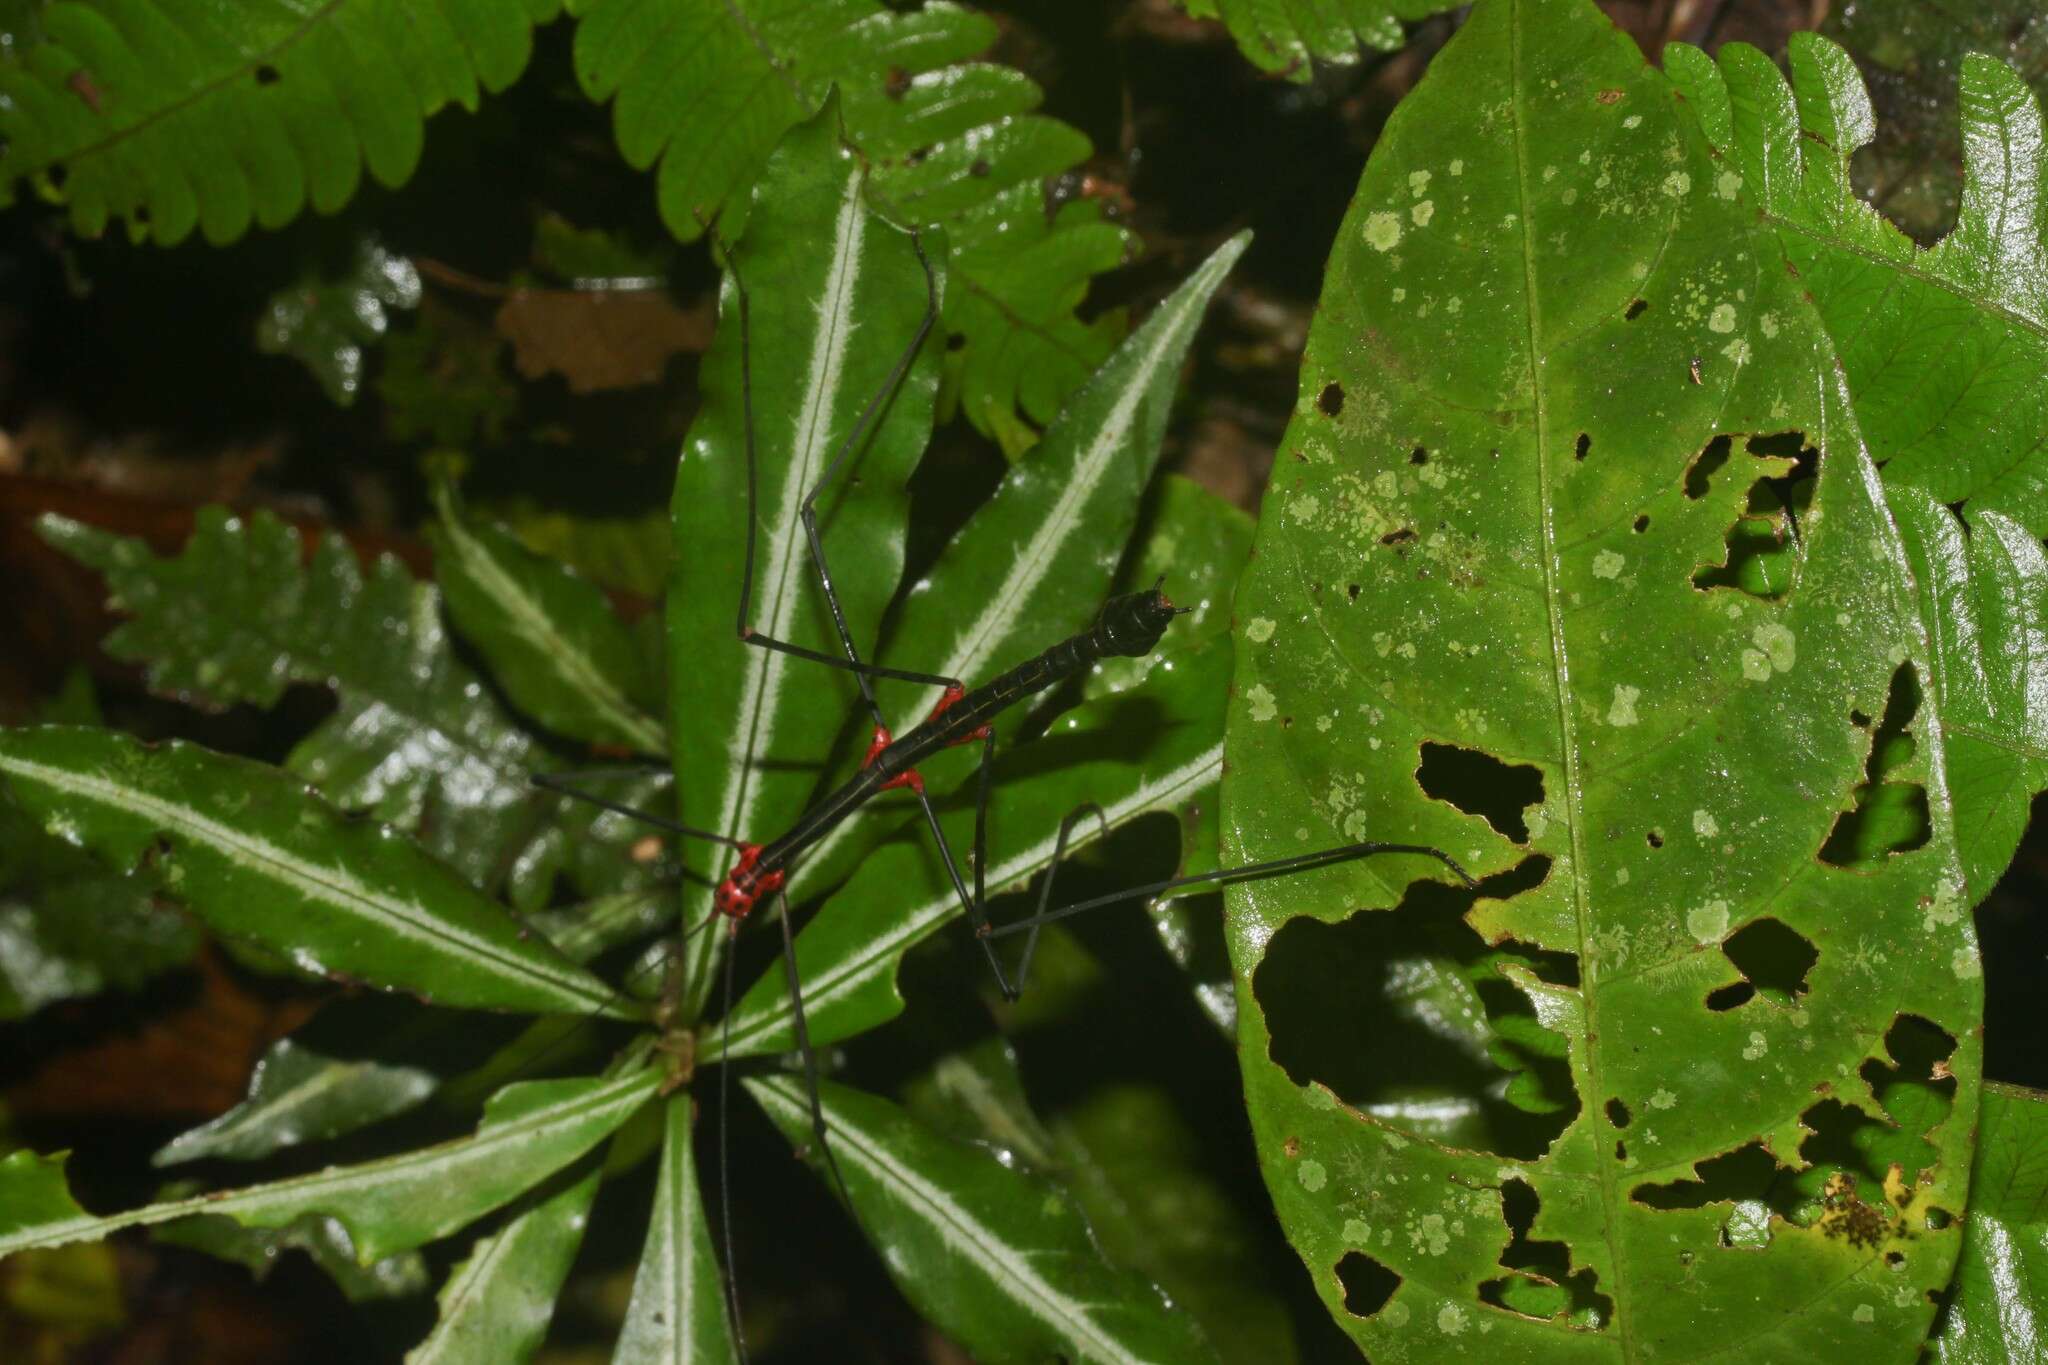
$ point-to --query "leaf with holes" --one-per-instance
(1574, 564)
(180, 113)
(1945, 348)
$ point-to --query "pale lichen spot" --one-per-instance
(1570, 196)
(1727, 183)
(1356, 1232)
(1963, 962)
(1677, 185)
(1429, 1235)
(1400, 293)
(1458, 166)
(1942, 909)
(1758, 1046)
(1704, 824)
(1261, 699)
(1755, 666)
(1864, 1313)
(1549, 174)
(1707, 923)
(1323, 724)
(1640, 270)
(1259, 630)
(1737, 350)
(1311, 1175)
(1305, 506)
(1508, 221)
(1395, 1314)
(1395, 1142)
(1768, 324)
(1355, 826)
(1621, 712)
(1722, 319)
(1382, 231)
(1778, 644)
(1406, 649)
(1382, 643)
(1621, 877)
(1418, 182)
(1632, 121)
(1454, 306)
(1607, 564)
(1450, 1320)
(1663, 1099)
(1842, 619)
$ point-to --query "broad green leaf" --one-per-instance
(362, 1060)
(1283, 38)
(709, 90)
(529, 1132)
(1945, 348)
(258, 857)
(1504, 559)
(835, 295)
(179, 113)
(1984, 597)
(497, 1304)
(1034, 563)
(1131, 754)
(1000, 1260)
(1994, 1311)
(549, 636)
(324, 323)
(240, 614)
(677, 1313)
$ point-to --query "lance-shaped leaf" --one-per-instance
(1984, 597)
(529, 1132)
(1558, 392)
(368, 1058)
(1994, 1311)
(1945, 347)
(677, 1313)
(1000, 1260)
(1131, 754)
(259, 857)
(1033, 564)
(549, 635)
(834, 298)
(496, 1305)
(241, 614)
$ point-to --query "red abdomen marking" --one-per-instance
(743, 887)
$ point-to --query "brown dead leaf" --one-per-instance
(601, 339)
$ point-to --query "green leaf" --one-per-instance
(258, 857)
(1984, 597)
(1283, 38)
(1000, 1260)
(322, 1238)
(325, 323)
(497, 1304)
(1034, 562)
(1496, 558)
(240, 615)
(708, 91)
(178, 113)
(529, 1132)
(1945, 347)
(836, 296)
(2002, 1280)
(549, 636)
(677, 1312)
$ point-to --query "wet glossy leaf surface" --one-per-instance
(1509, 597)
(1001, 1260)
(258, 857)
(1994, 1309)
(324, 323)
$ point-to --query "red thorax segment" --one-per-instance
(743, 887)
(946, 702)
(909, 777)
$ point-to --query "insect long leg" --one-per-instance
(1248, 872)
(1059, 853)
(852, 663)
(565, 784)
(975, 905)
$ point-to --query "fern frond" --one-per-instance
(705, 88)
(181, 113)
(1282, 36)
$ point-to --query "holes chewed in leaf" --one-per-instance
(267, 75)
(1700, 473)
(1543, 1285)
(1617, 1113)
(1655, 838)
(1479, 784)
(1331, 399)
(1917, 1094)
(1642, 523)
(1405, 1014)
(1352, 590)
(1762, 544)
(1367, 1284)
(1885, 817)
(1635, 309)
(1585, 444)
(1749, 1180)
(1400, 537)
(1418, 456)
(1774, 961)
